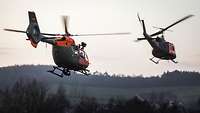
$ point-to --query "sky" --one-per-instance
(112, 54)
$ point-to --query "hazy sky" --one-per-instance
(114, 54)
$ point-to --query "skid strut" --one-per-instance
(85, 72)
(174, 61)
(156, 62)
(64, 71)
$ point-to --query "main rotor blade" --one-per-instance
(14, 30)
(65, 23)
(124, 33)
(161, 31)
(49, 38)
(161, 28)
(138, 17)
(51, 34)
(61, 35)
(52, 37)
(140, 39)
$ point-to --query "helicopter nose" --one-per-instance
(173, 56)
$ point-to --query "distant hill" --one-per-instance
(39, 72)
(185, 85)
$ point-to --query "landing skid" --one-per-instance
(61, 72)
(85, 72)
(174, 61)
(156, 62)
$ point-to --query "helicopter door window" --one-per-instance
(86, 57)
(82, 53)
(171, 48)
(75, 50)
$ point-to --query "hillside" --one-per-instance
(184, 86)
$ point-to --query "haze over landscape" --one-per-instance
(30, 88)
(112, 54)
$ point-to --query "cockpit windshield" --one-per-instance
(83, 54)
(80, 52)
(171, 48)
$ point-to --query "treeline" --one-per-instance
(33, 97)
(175, 78)
(97, 79)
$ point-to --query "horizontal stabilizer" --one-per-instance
(141, 39)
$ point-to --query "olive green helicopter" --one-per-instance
(67, 55)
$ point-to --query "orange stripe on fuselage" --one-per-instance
(67, 42)
(32, 43)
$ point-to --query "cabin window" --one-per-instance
(83, 54)
(75, 50)
(171, 48)
(80, 52)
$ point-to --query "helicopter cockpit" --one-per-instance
(83, 54)
(79, 51)
(171, 48)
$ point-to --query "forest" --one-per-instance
(30, 89)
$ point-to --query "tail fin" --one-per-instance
(143, 25)
(144, 28)
(33, 31)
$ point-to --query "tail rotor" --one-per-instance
(144, 29)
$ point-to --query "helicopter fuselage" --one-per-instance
(66, 54)
(162, 49)
(70, 57)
